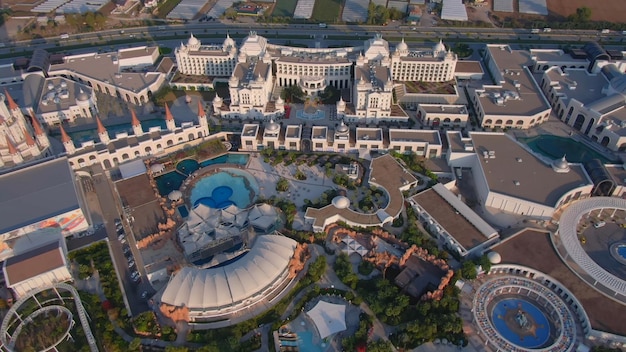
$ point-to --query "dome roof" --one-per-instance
(175, 195)
(402, 46)
(341, 202)
(193, 41)
(560, 165)
(82, 96)
(342, 128)
(229, 41)
(439, 47)
(494, 257)
(272, 126)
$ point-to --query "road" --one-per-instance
(341, 33)
(109, 205)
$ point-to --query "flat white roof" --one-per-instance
(453, 10)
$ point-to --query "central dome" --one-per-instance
(272, 126)
(342, 128)
(341, 202)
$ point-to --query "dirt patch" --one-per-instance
(607, 10)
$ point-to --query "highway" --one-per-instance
(277, 33)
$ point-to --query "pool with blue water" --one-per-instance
(170, 181)
(506, 315)
(224, 188)
(305, 342)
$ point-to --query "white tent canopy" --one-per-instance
(329, 318)
(352, 246)
(175, 195)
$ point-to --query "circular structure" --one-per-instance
(518, 314)
(272, 126)
(341, 202)
(42, 324)
(521, 322)
(175, 195)
(224, 290)
(494, 257)
(224, 188)
(569, 240)
(618, 252)
(13, 315)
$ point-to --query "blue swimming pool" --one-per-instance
(555, 147)
(225, 188)
(170, 181)
(521, 323)
(621, 251)
(305, 342)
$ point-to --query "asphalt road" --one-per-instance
(141, 35)
(110, 211)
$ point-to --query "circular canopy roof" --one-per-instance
(494, 257)
(157, 168)
(175, 195)
(341, 202)
(342, 127)
(228, 285)
(273, 126)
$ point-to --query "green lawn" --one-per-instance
(326, 11)
(284, 8)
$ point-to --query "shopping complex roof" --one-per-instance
(228, 285)
(36, 193)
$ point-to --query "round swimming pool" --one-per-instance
(521, 323)
(618, 252)
(224, 188)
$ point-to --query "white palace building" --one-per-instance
(366, 74)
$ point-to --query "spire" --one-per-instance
(101, 128)
(168, 113)
(64, 136)
(134, 119)
(201, 112)
(29, 139)
(12, 149)
(36, 125)
(12, 105)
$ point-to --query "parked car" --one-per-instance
(144, 295)
(126, 250)
(599, 224)
(118, 222)
(131, 263)
(120, 237)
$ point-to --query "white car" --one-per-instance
(599, 224)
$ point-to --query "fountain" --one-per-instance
(311, 111)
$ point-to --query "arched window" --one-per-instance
(605, 141)
(125, 156)
(509, 122)
(190, 137)
(170, 143)
(148, 150)
(137, 153)
(488, 122)
(519, 122)
(498, 122)
(107, 163)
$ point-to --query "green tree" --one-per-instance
(582, 14)
(292, 94)
(282, 185)
(468, 270)
(135, 344)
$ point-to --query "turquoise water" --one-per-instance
(170, 181)
(92, 135)
(555, 147)
(224, 183)
(239, 159)
(187, 166)
(305, 342)
(183, 211)
(542, 326)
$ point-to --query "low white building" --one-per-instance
(61, 100)
(36, 268)
(109, 151)
(510, 179)
(436, 115)
(426, 143)
(127, 73)
(515, 100)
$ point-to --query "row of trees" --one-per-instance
(380, 14)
